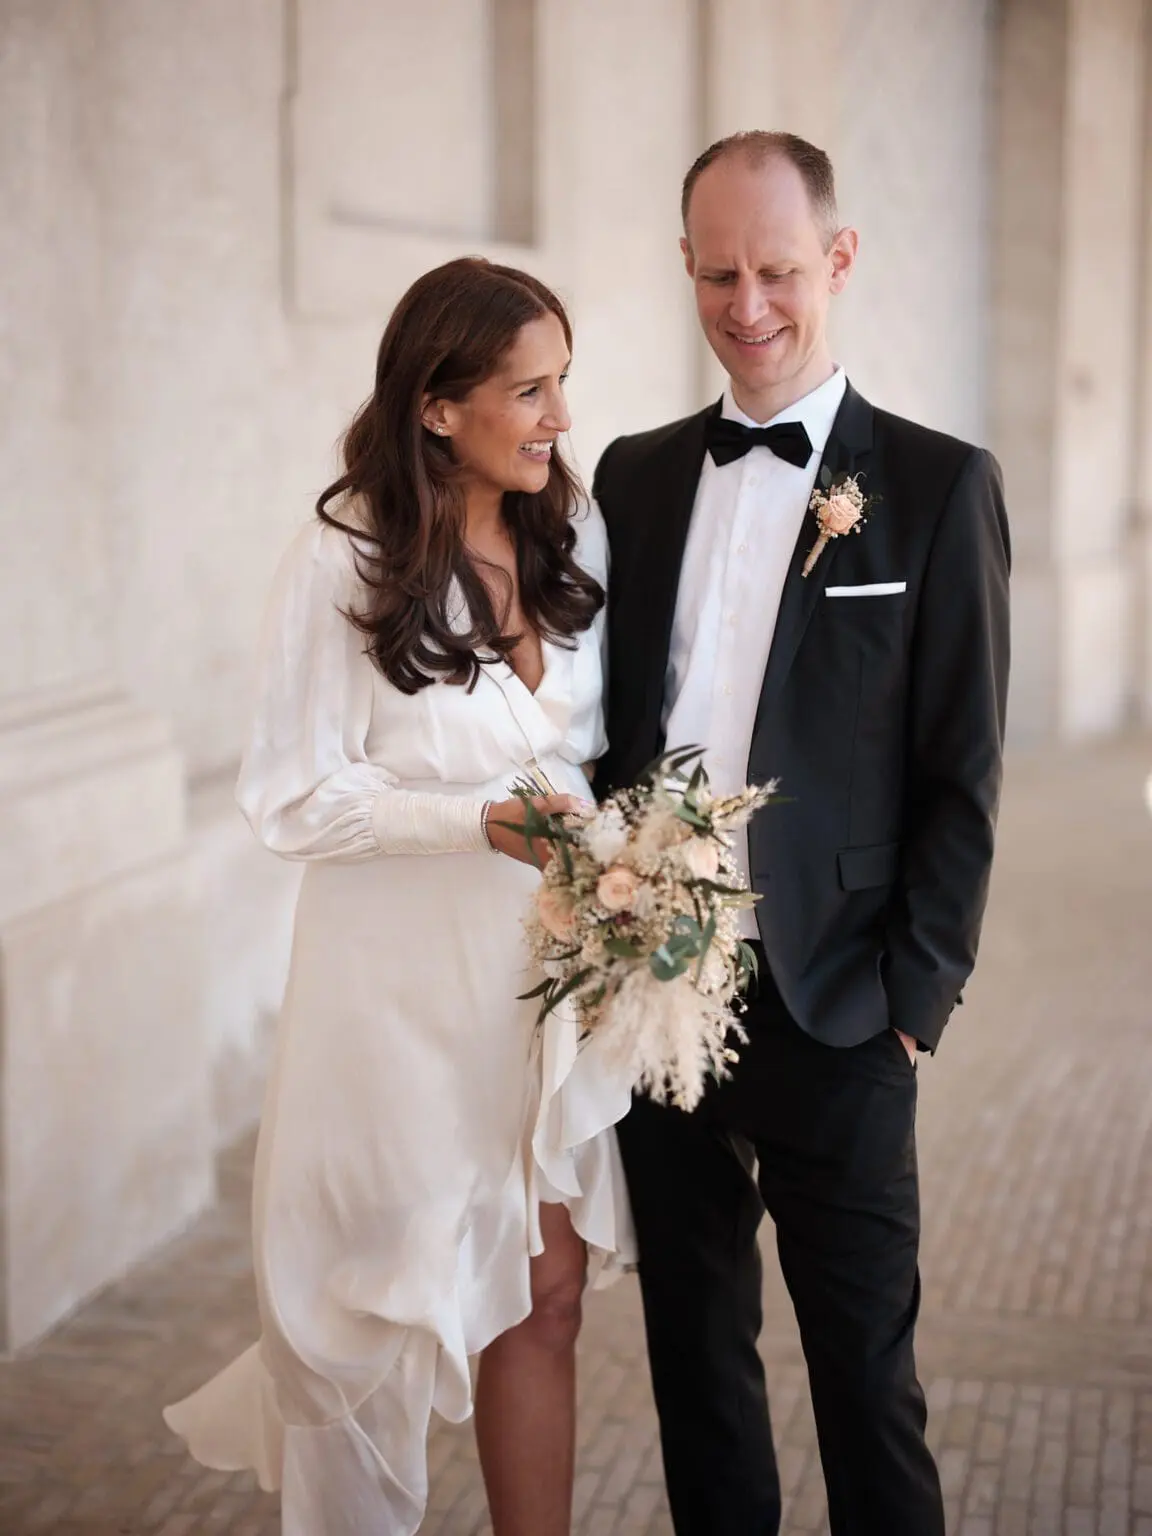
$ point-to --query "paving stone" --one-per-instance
(1036, 1335)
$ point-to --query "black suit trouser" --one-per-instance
(824, 1139)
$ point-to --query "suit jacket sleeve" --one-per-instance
(957, 702)
(603, 468)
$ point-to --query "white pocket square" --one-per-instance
(870, 589)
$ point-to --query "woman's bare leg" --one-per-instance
(526, 1395)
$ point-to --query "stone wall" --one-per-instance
(210, 207)
(1070, 362)
(898, 94)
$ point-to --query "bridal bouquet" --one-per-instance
(635, 924)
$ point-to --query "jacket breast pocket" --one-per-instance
(861, 869)
(866, 606)
(873, 626)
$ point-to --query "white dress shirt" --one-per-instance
(745, 523)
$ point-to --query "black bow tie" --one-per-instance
(728, 440)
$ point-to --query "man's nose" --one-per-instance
(747, 305)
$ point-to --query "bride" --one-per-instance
(433, 1174)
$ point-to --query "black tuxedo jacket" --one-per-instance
(882, 716)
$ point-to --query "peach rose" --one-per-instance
(840, 514)
(555, 912)
(616, 888)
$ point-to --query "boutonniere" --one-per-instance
(840, 507)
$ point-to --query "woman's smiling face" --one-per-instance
(504, 430)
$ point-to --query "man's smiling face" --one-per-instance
(765, 271)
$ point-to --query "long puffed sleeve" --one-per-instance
(306, 786)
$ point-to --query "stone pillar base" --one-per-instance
(105, 1105)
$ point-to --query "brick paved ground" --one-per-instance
(1036, 1345)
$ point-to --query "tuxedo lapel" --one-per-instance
(671, 495)
(848, 451)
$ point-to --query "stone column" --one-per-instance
(760, 65)
(105, 1143)
(773, 66)
(1142, 501)
(617, 132)
(895, 93)
(1069, 165)
(104, 1097)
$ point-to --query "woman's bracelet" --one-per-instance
(485, 812)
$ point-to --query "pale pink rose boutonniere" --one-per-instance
(841, 507)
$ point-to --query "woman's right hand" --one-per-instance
(509, 840)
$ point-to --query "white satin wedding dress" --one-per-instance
(415, 1118)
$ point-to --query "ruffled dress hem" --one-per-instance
(236, 1421)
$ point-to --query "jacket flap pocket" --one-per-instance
(862, 868)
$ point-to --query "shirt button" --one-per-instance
(753, 479)
(728, 689)
(741, 549)
(731, 615)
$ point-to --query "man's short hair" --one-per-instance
(759, 146)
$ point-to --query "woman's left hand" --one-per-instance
(506, 820)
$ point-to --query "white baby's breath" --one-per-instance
(606, 835)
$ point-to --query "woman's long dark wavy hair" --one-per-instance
(449, 333)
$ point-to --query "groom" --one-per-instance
(874, 688)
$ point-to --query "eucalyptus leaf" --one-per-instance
(563, 849)
(715, 887)
(666, 967)
(679, 949)
(683, 924)
(693, 817)
(671, 763)
(544, 832)
(540, 991)
(747, 960)
(557, 997)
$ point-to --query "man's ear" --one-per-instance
(842, 255)
(689, 259)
